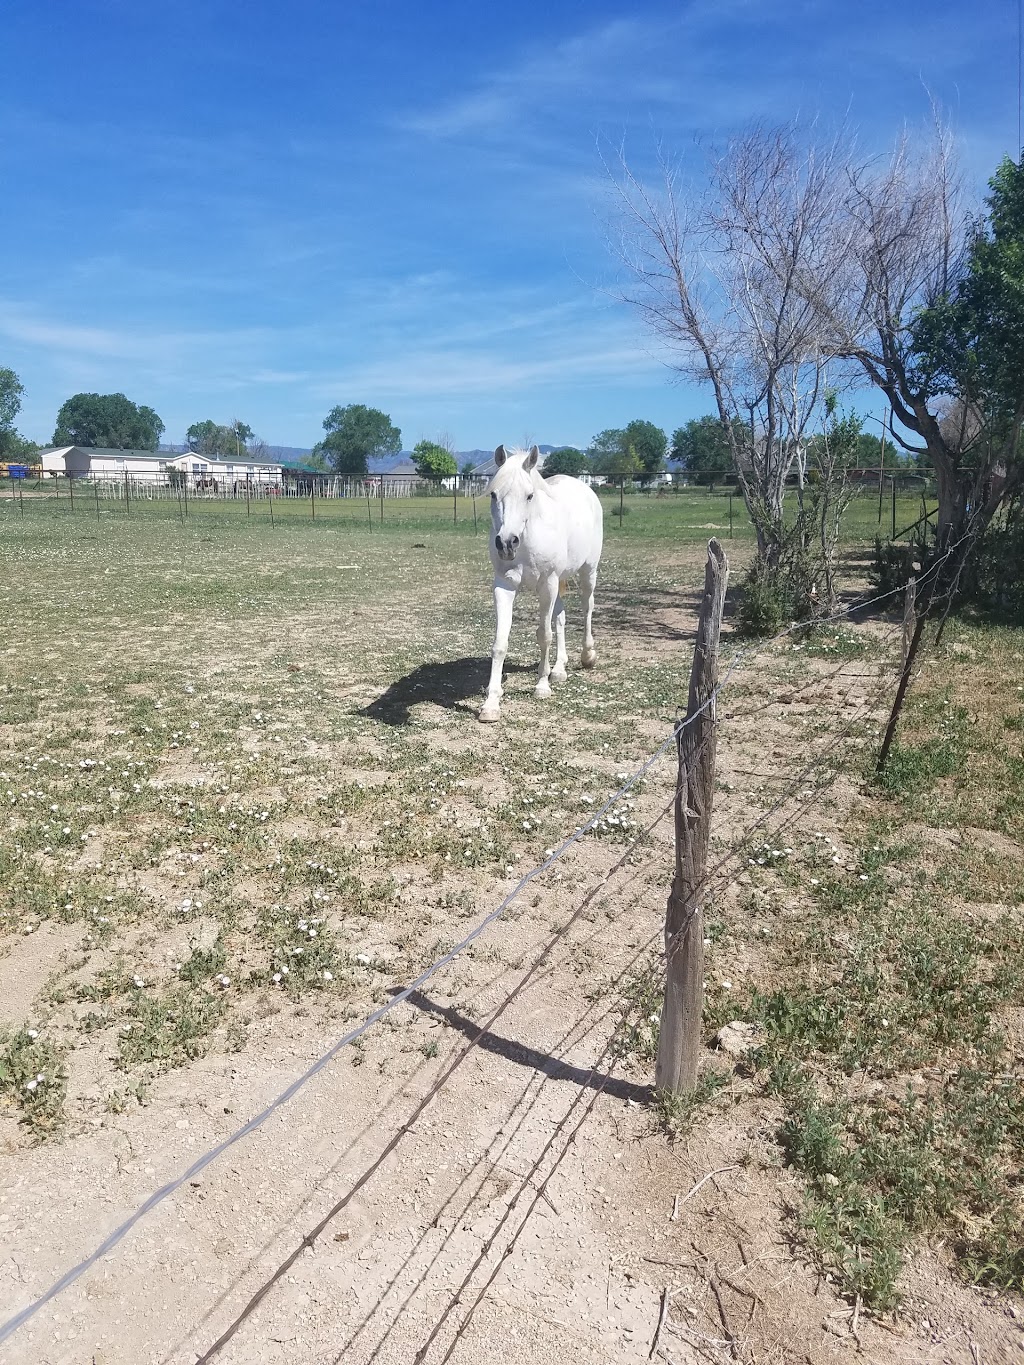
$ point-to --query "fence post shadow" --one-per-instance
(534, 1058)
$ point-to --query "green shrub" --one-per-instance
(770, 598)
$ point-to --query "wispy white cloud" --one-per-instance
(526, 86)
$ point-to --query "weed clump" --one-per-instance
(33, 1078)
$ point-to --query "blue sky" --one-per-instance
(259, 210)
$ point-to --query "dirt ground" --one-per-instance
(534, 1211)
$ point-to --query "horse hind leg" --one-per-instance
(558, 673)
(588, 582)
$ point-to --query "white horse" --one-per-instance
(544, 530)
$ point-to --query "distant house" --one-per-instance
(83, 462)
(154, 466)
(239, 469)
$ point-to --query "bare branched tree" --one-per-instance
(906, 239)
(804, 256)
(901, 235)
(722, 278)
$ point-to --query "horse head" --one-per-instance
(512, 490)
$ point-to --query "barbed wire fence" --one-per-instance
(716, 879)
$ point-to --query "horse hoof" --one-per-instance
(542, 691)
(488, 714)
(589, 658)
(558, 675)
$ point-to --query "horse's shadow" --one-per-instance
(449, 683)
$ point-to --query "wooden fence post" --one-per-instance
(679, 1036)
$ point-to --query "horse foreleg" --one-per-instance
(504, 600)
(548, 594)
(558, 673)
(588, 582)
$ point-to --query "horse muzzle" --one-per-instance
(506, 547)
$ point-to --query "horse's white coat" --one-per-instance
(544, 530)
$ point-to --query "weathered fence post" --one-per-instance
(679, 1036)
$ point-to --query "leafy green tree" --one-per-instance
(317, 460)
(354, 434)
(566, 460)
(433, 462)
(650, 444)
(703, 449)
(11, 390)
(623, 465)
(219, 440)
(107, 420)
(11, 444)
(609, 451)
(969, 347)
(606, 447)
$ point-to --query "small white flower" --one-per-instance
(328, 976)
(33, 1033)
(31, 1085)
(364, 958)
(138, 982)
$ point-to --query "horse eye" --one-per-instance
(529, 497)
(494, 497)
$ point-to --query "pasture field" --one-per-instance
(244, 797)
(672, 514)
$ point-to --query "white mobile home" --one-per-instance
(83, 462)
(240, 469)
(154, 466)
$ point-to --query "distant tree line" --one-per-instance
(354, 434)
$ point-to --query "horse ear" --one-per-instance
(533, 457)
(500, 456)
